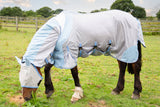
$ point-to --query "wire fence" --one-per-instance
(148, 26)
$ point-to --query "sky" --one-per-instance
(151, 6)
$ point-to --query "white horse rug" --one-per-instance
(70, 35)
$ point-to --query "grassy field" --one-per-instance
(98, 77)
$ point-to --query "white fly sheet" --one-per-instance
(70, 35)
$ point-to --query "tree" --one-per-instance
(57, 11)
(8, 11)
(139, 12)
(125, 5)
(158, 15)
(16, 11)
(29, 13)
(44, 11)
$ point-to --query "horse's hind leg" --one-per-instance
(137, 83)
(78, 94)
(121, 80)
(136, 68)
(49, 89)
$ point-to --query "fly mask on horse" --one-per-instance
(70, 35)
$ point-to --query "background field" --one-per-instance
(98, 77)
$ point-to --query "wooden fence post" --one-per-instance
(16, 23)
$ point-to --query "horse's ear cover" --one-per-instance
(18, 60)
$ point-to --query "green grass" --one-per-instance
(98, 77)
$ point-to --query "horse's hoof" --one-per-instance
(49, 93)
(114, 93)
(78, 94)
(135, 96)
(73, 99)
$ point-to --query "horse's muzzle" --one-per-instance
(27, 99)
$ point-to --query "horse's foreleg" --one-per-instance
(78, 94)
(121, 80)
(137, 83)
(49, 89)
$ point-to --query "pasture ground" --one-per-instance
(98, 77)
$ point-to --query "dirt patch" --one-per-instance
(18, 99)
(100, 103)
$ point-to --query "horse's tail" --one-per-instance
(138, 63)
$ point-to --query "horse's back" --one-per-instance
(102, 27)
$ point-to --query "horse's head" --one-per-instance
(27, 93)
(30, 77)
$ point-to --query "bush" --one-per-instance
(151, 33)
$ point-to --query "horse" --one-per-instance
(69, 35)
